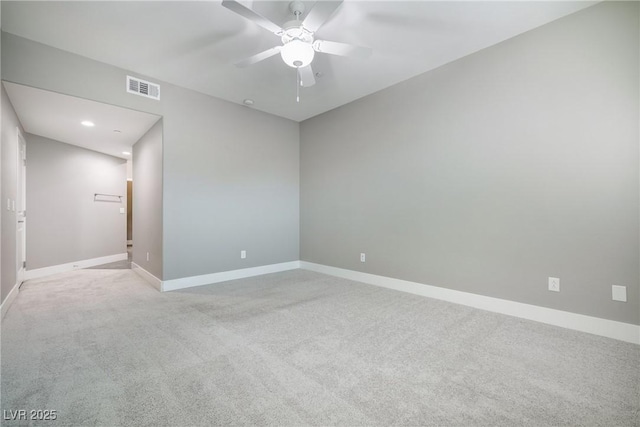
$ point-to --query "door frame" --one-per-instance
(21, 202)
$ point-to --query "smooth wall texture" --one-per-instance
(147, 201)
(494, 172)
(65, 223)
(231, 183)
(8, 168)
(230, 173)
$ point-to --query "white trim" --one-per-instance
(4, 307)
(208, 279)
(148, 277)
(579, 322)
(21, 195)
(63, 268)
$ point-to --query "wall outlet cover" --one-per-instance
(619, 293)
(243, 254)
(363, 257)
(554, 284)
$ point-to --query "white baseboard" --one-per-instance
(150, 278)
(63, 268)
(579, 322)
(4, 307)
(207, 279)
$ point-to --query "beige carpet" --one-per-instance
(101, 347)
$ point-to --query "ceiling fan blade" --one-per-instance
(306, 76)
(245, 12)
(342, 49)
(259, 57)
(320, 12)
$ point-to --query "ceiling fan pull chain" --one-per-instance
(297, 85)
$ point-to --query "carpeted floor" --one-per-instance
(101, 347)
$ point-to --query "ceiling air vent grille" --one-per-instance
(143, 88)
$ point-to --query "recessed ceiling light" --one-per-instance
(248, 102)
(126, 153)
(88, 124)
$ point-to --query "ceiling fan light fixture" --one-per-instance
(297, 53)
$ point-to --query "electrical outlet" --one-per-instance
(363, 257)
(554, 284)
(619, 293)
(243, 254)
(147, 256)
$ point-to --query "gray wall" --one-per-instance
(147, 201)
(493, 172)
(8, 168)
(230, 174)
(231, 183)
(65, 224)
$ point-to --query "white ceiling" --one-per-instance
(58, 117)
(194, 44)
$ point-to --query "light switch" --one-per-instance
(8, 204)
(121, 210)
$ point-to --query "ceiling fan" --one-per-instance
(298, 44)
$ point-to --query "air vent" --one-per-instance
(143, 88)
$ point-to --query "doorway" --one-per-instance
(94, 150)
(129, 219)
